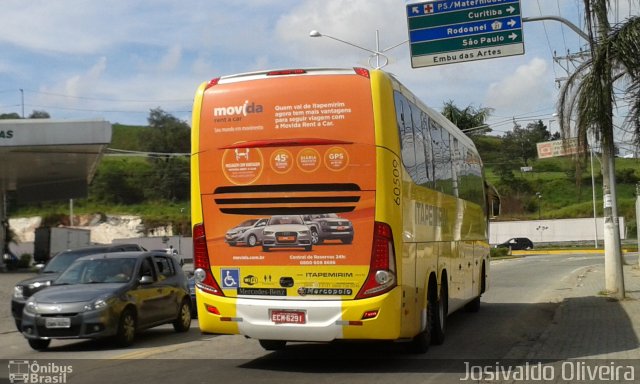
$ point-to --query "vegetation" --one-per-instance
(157, 187)
(149, 177)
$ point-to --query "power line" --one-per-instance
(124, 152)
(544, 26)
(566, 48)
(109, 99)
(49, 107)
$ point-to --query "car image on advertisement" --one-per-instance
(109, 295)
(248, 233)
(286, 231)
(329, 226)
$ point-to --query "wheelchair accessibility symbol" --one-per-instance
(230, 278)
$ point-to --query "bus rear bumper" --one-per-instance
(324, 320)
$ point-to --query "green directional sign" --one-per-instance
(453, 31)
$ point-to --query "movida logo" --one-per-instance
(234, 110)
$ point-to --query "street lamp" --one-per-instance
(377, 53)
(539, 196)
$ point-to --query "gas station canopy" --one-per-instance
(42, 159)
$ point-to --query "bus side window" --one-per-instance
(406, 131)
(441, 158)
(427, 149)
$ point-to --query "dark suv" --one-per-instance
(54, 268)
(516, 244)
(329, 226)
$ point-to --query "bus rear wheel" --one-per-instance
(420, 343)
(439, 324)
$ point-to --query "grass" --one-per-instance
(156, 211)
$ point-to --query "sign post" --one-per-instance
(454, 31)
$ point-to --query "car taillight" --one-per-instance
(202, 268)
(382, 271)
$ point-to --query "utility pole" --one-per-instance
(614, 274)
(22, 101)
(613, 271)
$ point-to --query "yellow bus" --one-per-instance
(332, 204)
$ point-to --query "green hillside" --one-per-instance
(563, 195)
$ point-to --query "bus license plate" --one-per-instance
(288, 317)
(57, 322)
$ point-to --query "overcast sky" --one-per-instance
(116, 60)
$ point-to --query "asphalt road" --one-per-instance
(522, 298)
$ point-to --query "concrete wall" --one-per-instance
(551, 231)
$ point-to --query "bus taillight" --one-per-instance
(285, 72)
(212, 82)
(362, 71)
(382, 271)
(201, 265)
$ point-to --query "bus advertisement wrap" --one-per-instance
(252, 141)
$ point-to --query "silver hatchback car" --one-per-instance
(109, 295)
(249, 233)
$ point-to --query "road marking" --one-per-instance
(147, 352)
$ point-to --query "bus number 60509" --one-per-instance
(396, 182)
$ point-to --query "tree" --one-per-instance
(624, 42)
(172, 136)
(520, 143)
(9, 116)
(39, 115)
(168, 134)
(588, 97)
(118, 181)
(470, 118)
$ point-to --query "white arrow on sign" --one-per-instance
(415, 10)
(513, 36)
(511, 23)
(511, 9)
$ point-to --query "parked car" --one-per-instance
(54, 268)
(517, 243)
(249, 233)
(286, 231)
(191, 283)
(109, 295)
(329, 226)
(171, 251)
